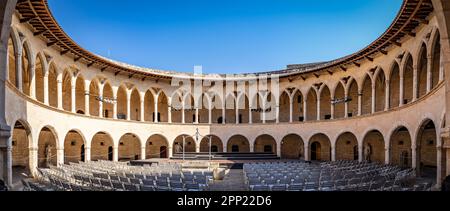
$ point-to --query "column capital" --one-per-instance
(5, 131)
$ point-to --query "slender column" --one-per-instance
(305, 109)
(33, 82)
(237, 114)
(414, 156)
(169, 110)
(279, 150)
(307, 152)
(333, 153)
(252, 147)
(87, 154)
(333, 108)
(115, 154)
(142, 107)
(100, 102)
(183, 118)
(59, 156)
(197, 119)
(374, 97)
(197, 148)
(46, 101)
(115, 89)
(6, 153)
(19, 78)
(359, 104)
(402, 91)
(429, 73)
(387, 158)
(277, 113)
(441, 67)
(225, 149)
(59, 88)
(346, 106)
(143, 153)
(33, 160)
(86, 97)
(73, 96)
(291, 110)
(209, 115)
(318, 107)
(360, 153)
(415, 84)
(224, 114)
(250, 116)
(156, 120)
(439, 167)
(128, 105)
(170, 150)
(387, 99)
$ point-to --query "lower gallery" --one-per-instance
(372, 121)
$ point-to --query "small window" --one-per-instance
(122, 144)
(14, 143)
(73, 143)
(150, 143)
(240, 118)
(102, 143)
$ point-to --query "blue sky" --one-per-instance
(224, 36)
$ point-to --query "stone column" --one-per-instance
(359, 104)
(360, 153)
(237, 114)
(19, 67)
(333, 153)
(115, 154)
(415, 83)
(210, 115)
(346, 106)
(429, 73)
(183, 117)
(33, 82)
(100, 102)
(128, 104)
(59, 88)
(291, 111)
(6, 153)
(143, 153)
(224, 114)
(33, 160)
(305, 109)
(387, 99)
(252, 147)
(115, 89)
(387, 156)
(156, 120)
(87, 85)
(197, 119)
(374, 97)
(46, 99)
(439, 167)
(169, 110)
(225, 149)
(414, 156)
(333, 108)
(318, 107)
(277, 113)
(59, 156)
(250, 115)
(307, 152)
(142, 107)
(279, 150)
(402, 91)
(73, 94)
(87, 154)
(197, 147)
(170, 154)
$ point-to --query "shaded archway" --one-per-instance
(230, 109)
(373, 147)
(26, 70)
(325, 103)
(52, 86)
(426, 150)
(189, 144)
(408, 80)
(238, 143)
(102, 147)
(12, 67)
(129, 147)
(380, 91)
(216, 144)
(436, 61)
(353, 99)
(366, 96)
(157, 147)
(243, 106)
(135, 105)
(285, 106)
(320, 148)
(74, 147)
(311, 105)
(93, 98)
(79, 95)
(394, 89)
(422, 67)
(400, 148)
(292, 147)
(47, 145)
(21, 140)
(108, 105)
(347, 147)
(149, 108)
(122, 103)
(39, 78)
(265, 144)
(339, 107)
(163, 106)
(67, 90)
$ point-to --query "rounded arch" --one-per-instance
(427, 149)
(188, 145)
(157, 147)
(53, 85)
(436, 58)
(400, 147)
(80, 95)
(292, 147)
(67, 78)
(27, 68)
(347, 147)
(380, 90)
(74, 147)
(47, 147)
(216, 144)
(102, 147)
(12, 65)
(238, 144)
(108, 95)
(135, 105)
(320, 147)
(339, 108)
(22, 141)
(311, 105)
(374, 147)
(39, 77)
(149, 108)
(265, 144)
(408, 78)
(129, 147)
(353, 95)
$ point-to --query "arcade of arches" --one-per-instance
(384, 107)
